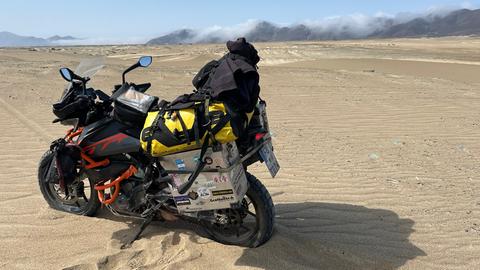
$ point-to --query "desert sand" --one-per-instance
(378, 142)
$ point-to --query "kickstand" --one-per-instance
(144, 225)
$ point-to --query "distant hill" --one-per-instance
(179, 36)
(8, 39)
(59, 38)
(456, 23)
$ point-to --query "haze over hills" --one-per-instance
(459, 22)
(462, 22)
(454, 23)
(60, 38)
(8, 39)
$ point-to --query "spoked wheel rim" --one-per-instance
(236, 225)
(79, 194)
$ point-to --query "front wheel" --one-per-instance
(81, 198)
(251, 225)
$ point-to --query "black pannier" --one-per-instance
(131, 106)
(71, 105)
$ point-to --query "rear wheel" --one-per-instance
(80, 197)
(251, 225)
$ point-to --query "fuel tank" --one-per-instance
(109, 137)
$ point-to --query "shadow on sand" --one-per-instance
(316, 236)
(335, 236)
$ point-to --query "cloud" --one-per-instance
(101, 41)
(224, 33)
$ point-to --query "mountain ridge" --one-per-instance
(461, 22)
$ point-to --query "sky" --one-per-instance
(143, 19)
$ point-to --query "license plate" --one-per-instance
(266, 152)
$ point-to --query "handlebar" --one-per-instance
(142, 87)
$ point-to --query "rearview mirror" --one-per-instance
(67, 74)
(145, 61)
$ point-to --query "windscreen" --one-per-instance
(88, 67)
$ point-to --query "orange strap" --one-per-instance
(92, 163)
(71, 134)
(100, 188)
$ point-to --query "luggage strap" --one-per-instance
(184, 127)
(162, 105)
(210, 136)
(220, 124)
(200, 165)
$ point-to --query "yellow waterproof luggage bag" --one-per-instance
(172, 131)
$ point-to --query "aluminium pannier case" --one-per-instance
(221, 184)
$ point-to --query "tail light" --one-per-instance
(259, 136)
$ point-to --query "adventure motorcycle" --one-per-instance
(100, 161)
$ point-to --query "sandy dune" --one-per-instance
(378, 142)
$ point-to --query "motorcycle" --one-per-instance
(100, 161)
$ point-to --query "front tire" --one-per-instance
(264, 210)
(81, 205)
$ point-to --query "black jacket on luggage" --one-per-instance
(233, 80)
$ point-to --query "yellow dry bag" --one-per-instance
(171, 131)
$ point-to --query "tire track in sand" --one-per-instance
(42, 134)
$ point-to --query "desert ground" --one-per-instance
(378, 142)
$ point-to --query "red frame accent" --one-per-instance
(91, 163)
(105, 143)
(100, 188)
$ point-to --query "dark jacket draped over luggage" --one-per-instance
(227, 91)
(233, 80)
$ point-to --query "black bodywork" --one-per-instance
(109, 137)
(113, 139)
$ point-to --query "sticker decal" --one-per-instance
(196, 158)
(204, 193)
(222, 199)
(182, 200)
(220, 179)
(193, 195)
(180, 164)
(222, 192)
(176, 179)
(209, 184)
